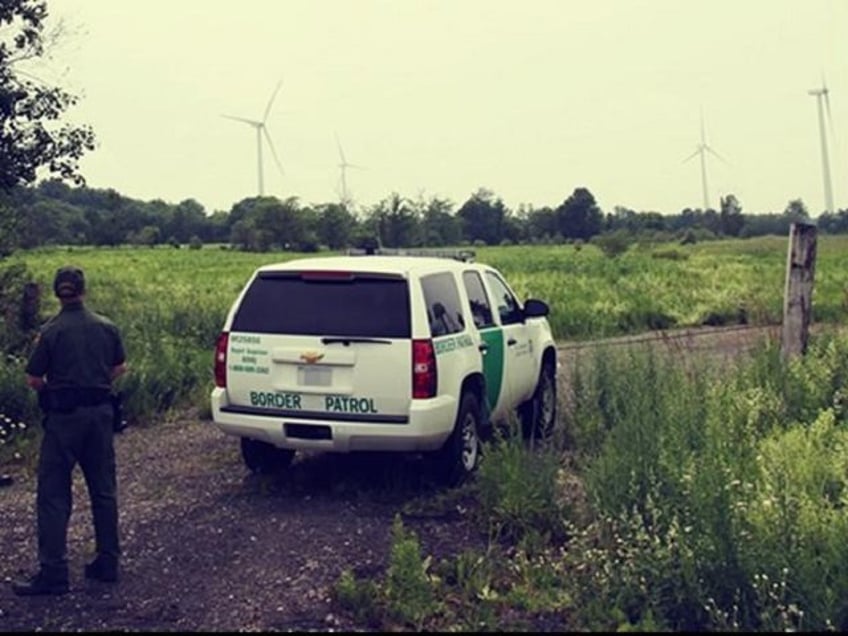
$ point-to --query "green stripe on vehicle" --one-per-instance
(493, 363)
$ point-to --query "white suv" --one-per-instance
(376, 352)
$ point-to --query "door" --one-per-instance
(519, 375)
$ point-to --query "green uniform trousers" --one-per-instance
(83, 437)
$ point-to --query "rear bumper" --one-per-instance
(429, 424)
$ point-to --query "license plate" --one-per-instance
(314, 376)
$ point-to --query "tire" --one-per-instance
(460, 455)
(538, 414)
(264, 458)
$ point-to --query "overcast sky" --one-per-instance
(529, 99)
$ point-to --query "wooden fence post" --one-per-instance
(798, 295)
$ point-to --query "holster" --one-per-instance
(118, 421)
(68, 400)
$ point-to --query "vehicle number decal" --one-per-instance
(247, 359)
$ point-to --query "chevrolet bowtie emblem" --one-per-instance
(311, 357)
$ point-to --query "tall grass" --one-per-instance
(715, 283)
(711, 487)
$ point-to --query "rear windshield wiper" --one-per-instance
(347, 341)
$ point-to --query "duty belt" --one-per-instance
(67, 399)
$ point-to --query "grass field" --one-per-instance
(591, 296)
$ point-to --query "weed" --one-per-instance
(409, 592)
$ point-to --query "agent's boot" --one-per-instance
(102, 569)
(43, 583)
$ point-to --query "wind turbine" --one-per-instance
(262, 130)
(821, 95)
(702, 149)
(343, 166)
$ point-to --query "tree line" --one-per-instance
(55, 213)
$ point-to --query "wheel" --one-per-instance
(460, 454)
(264, 458)
(538, 414)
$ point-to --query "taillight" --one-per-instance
(424, 378)
(221, 360)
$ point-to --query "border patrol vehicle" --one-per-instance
(407, 352)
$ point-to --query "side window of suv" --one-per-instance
(481, 310)
(444, 310)
(508, 308)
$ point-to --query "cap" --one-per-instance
(69, 282)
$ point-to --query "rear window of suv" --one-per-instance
(326, 303)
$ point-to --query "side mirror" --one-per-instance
(534, 308)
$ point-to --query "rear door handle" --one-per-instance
(483, 347)
(511, 342)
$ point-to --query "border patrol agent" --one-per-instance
(78, 355)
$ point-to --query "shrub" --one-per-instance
(518, 492)
(409, 593)
(360, 597)
(730, 515)
(19, 309)
(670, 254)
(612, 244)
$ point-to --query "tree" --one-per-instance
(439, 225)
(396, 222)
(482, 218)
(579, 216)
(796, 210)
(730, 217)
(541, 224)
(834, 223)
(187, 220)
(262, 222)
(30, 137)
(335, 225)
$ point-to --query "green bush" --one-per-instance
(796, 520)
(359, 597)
(19, 309)
(409, 594)
(612, 244)
(730, 515)
(20, 416)
(518, 491)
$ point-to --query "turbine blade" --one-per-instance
(715, 154)
(827, 107)
(271, 101)
(694, 154)
(252, 122)
(273, 151)
(341, 152)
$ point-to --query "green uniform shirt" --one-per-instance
(77, 348)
